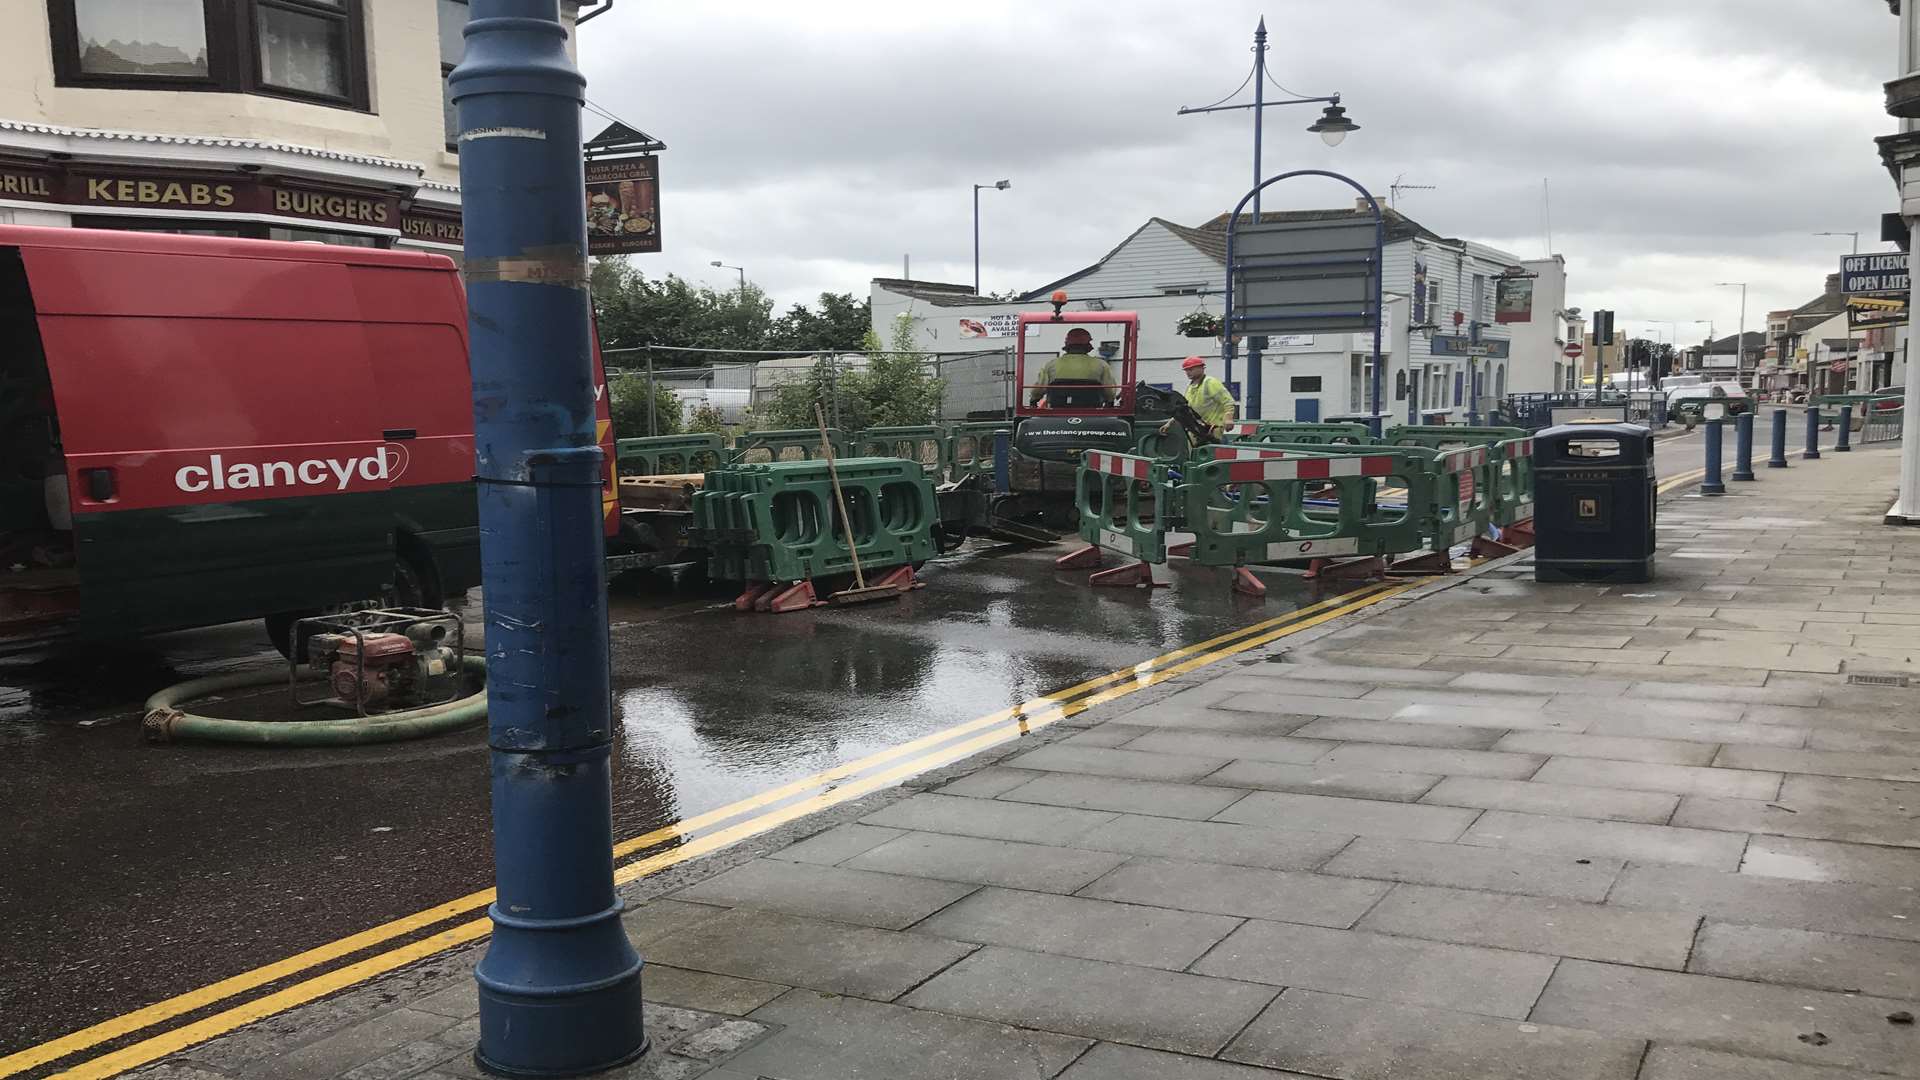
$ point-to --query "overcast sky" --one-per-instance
(1685, 142)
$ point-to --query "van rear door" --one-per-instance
(214, 413)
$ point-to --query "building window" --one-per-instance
(1304, 384)
(453, 46)
(146, 39)
(313, 50)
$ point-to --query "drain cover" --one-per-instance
(1861, 678)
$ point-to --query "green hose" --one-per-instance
(166, 722)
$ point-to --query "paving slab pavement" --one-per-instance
(1654, 834)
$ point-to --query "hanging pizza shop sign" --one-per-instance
(623, 205)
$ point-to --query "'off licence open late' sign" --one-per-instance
(1885, 272)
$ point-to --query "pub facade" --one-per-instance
(323, 120)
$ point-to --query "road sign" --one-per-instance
(1573, 350)
(1304, 276)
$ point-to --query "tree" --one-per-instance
(706, 418)
(898, 388)
(633, 310)
(841, 324)
(837, 387)
(629, 407)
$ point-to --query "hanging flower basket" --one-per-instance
(1200, 324)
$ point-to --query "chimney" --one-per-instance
(1360, 206)
(1833, 283)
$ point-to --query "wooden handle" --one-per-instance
(839, 500)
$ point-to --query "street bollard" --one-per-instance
(1843, 442)
(1813, 433)
(1779, 458)
(1743, 446)
(559, 986)
(1712, 485)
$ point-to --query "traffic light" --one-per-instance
(1603, 328)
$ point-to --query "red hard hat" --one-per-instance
(1079, 336)
(1192, 362)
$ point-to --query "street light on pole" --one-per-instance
(743, 274)
(1333, 126)
(1855, 235)
(1740, 331)
(997, 185)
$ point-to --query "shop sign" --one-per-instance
(992, 326)
(1460, 345)
(1884, 273)
(430, 226)
(1513, 299)
(32, 183)
(623, 205)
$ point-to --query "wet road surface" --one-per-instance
(133, 872)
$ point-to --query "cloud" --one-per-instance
(1683, 144)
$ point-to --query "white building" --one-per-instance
(281, 119)
(1165, 271)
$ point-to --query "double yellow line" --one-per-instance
(787, 802)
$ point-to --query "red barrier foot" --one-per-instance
(748, 599)
(900, 577)
(1141, 574)
(1486, 547)
(1247, 583)
(1182, 550)
(1366, 568)
(796, 597)
(1433, 562)
(1086, 558)
(1519, 534)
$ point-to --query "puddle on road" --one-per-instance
(713, 705)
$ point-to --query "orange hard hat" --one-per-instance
(1192, 362)
(1079, 336)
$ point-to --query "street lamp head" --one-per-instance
(1003, 184)
(1333, 125)
(716, 262)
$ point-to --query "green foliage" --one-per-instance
(633, 310)
(898, 388)
(629, 407)
(706, 418)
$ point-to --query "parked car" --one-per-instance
(1687, 402)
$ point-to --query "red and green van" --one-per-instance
(196, 430)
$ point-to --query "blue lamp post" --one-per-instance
(560, 984)
(1333, 126)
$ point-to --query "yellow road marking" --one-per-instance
(180, 1005)
(211, 1027)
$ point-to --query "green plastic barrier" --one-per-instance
(970, 447)
(1281, 431)
(1512, 481)
(1883, 425)
(1446, 436)
(1253, 504)
(661, 455)
(1464, 494)
(794, 444)
(777, 522)
(1122, 503)
(926, 444)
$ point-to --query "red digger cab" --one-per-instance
(1070, 405)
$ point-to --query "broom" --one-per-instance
(860, 593)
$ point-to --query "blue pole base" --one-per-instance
(1812, 454)
(1713, 489)
(1842, 448)
(532, 1023)
(1777, 463)
(1739, 474)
